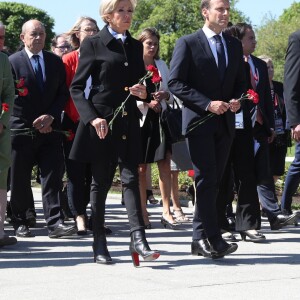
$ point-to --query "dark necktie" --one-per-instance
(221, 56)
(38, 72)
(253, 81)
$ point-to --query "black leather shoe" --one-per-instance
(62, 230)
(7, 241)
(201, 247)
(253, 235)
(101, 254)
(23, 231)
(220, 248)
(139, 246)
(282, 220)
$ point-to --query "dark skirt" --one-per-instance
(150, 137)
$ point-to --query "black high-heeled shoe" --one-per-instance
(253, 237)
(139, 246)
(101, 254)
(168, 224)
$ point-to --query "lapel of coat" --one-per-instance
(28, 66)
(206, 48)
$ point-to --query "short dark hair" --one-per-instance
(240, 30)
(205, 4)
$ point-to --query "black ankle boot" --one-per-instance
(101, 254)
(139, 246)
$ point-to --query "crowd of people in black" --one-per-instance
(94, 103)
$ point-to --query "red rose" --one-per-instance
(20, 82)
(5, 107)
(253, 96)
(23, 91)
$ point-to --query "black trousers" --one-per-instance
(102, 173)
(209, 153)
(242, 163)
(46, 151)
(78, 174)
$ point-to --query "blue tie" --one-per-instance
(38, 72)
(221, 56)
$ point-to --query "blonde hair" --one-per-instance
(265, 58)
(74, 40)
(108, 6)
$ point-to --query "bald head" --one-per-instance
(33, 36)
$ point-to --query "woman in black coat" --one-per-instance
(114, 60)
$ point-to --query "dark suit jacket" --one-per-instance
(264, 91)
(112, 66)
(51, 101)
(194, 78)
(292, 79)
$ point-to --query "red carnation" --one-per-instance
(253, 96)
(23, 91)
(156, 79)
(20, 82)
(155, 74)
(5, 107)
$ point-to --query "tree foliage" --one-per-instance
(173, 19)
(272, 37)
(13, 15)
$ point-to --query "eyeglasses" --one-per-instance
(63, 47)
(89, 30)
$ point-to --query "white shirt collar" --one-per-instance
(117, 35)
(30, 54)
(210, 33)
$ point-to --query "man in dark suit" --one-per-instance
(263, 130)
(39, 110)
(207, 74)
(292, 100)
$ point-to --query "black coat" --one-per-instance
(112, 66)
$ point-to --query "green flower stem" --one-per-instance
(32, 132)
(199, 122)
(121, 107)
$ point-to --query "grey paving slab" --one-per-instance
(43, 268)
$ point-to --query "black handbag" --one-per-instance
(171, 120)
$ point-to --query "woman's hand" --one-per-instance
(100, 126)
(138, 90)
(161, 95)
(155, 105)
